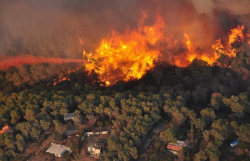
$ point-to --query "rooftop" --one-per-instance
(6, 129)
(58, 149)
(234, 143)
(95, 145)
(69, 116)
(174, 147)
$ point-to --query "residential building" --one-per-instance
(71, 116)
(6, 129)
(94, 149)
(58, 150)
(176, 147)
(234, 143)
(94, 133)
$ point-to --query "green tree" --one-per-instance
(9, 141)
(24, 127)
(244, 133)
(234, 103)
(20, 142)
(200, 156)
(208, 114)
(45, 124)
(58, 126)
(15, 116)
(169, 135)
(35, 133)
(29, 114)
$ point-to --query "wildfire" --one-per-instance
(237, 34)
(235, 37)
(186, 58)
(229, 49)
(125, 57)
(62, 78)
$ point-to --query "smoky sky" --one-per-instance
(233, 6)
(54, 27)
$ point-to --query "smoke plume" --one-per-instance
(63, 28)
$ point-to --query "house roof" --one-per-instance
(6, 129)
(95, 145)
(69, 116)
(234, 143)
(174, 147)
(58, 149)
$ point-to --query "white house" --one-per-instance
(58, 150)
(94, 149)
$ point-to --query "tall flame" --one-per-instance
(237, 34)
(125, 57)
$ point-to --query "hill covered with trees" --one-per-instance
(205, 105)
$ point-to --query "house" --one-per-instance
(6, 129)
(176, 147)
(71, 116)
(234, 143)
(58, 150)
(94, 149)
(181, 143)
(94, 133)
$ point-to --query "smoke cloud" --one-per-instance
(63, 28)
(236, 7)
(53, 28)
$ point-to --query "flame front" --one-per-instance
(125, 57)
(235, 36)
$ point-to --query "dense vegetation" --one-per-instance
(208, 106)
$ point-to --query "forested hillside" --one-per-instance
(206, 105)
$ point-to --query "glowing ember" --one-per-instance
(63, 77)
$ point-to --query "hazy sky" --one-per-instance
(234, 6)
(53, 27)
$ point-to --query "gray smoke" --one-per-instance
(53, 27)
(237, 7)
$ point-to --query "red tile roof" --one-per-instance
(174, 147)
(6, 129)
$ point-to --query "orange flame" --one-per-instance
(63, 77)
(237, 34)
(126, 57)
